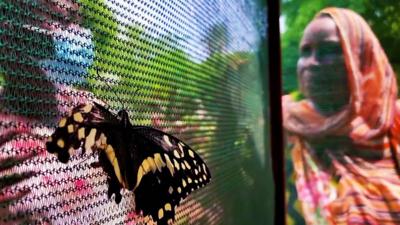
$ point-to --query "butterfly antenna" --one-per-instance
(136, 91)
(112, 90)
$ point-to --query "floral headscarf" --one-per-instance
(373, 88)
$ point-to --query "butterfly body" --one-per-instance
(159, 168)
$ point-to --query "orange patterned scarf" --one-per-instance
(355, 181)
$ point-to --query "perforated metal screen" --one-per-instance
(194, 69)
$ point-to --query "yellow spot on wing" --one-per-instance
(90, 139)
(152, 164)
(81, 133)
(176, 164)
(183, 183)
(70, 128)
(191, 153)
(167, 207)
(176, 154)
(180, 145)
(204, 168)
(159, 162)
(146, 166)
(118, 173)
(189, 180)
(160, 214)
(187, 164)
(102, 141)
(87, 108)
(170, 190)
(60, 143)
(114, 162)
(169, 164)
(62, 122)
(166, 140)
(140, 175)
(110, 153)
(78, 117)
(179, 190)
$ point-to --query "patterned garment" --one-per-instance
(346, 165)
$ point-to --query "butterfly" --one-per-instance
(159, 168)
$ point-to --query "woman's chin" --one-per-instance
(328, 108)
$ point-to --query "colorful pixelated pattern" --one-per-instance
(193, 71)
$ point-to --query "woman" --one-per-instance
(344, 135)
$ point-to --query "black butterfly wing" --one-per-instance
(83, 127)
(159, 168)
(93, 127)
(167, 172)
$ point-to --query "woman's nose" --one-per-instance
(312, 59)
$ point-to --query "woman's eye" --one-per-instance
(330, 50)
(305, 51)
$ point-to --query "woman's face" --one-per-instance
(321, 70)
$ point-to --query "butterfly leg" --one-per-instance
(95, 164)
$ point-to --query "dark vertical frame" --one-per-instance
(275, 93)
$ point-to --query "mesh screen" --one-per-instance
(194, 69)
